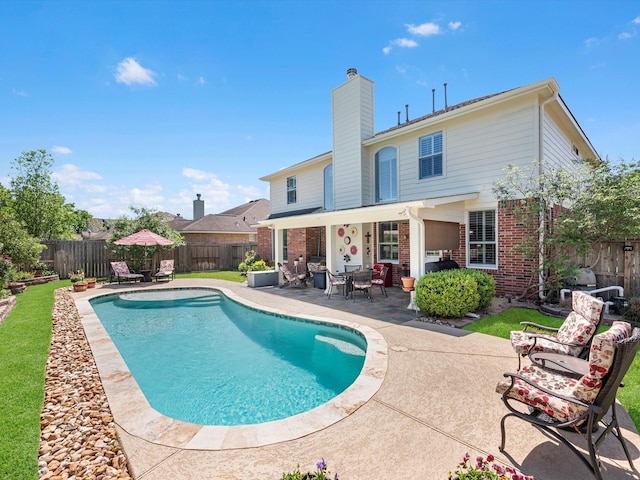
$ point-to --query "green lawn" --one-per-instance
(501, 324)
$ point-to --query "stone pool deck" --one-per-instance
(436, 402)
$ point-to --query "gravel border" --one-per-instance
(78, 438)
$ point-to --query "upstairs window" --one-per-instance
(328, 187)
(430, 155)
(482, 239)
(292, 196)
(386, 175)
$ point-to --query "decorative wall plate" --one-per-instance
(341, 232)
(347, 240)
(341, 249)
(354, 250)
(353, 231)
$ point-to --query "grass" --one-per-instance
(25, 336)
(501, 324)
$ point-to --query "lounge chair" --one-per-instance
(572, 338)
(295, 279)
(563, 401)
(122, 273)
(165, 270)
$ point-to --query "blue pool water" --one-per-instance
(200, 357)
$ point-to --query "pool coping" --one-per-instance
(133, 413)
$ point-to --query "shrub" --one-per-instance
(486, 286)
(8, 272)
(632, 312)
(449, 293)
(252, 263)
(321, 473)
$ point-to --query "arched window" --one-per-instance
(386, 175)
(328, 187)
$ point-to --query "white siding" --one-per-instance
(352, 123)
(475, 151)
(557, 148)
(310, 189)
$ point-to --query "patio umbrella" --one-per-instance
(144, 238)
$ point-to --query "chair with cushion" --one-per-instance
(292, 279)
(338, 281)
(361, 281)
(379, 279)
(557, 400)
(165, 270)
(122, 273)
(573, 336)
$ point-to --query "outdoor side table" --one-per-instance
(560, 363)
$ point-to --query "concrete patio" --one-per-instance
(436, 403)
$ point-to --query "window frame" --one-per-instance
(392, 178)
(291, 186)
(431, 156)
(381, 242)
(482, 241)
(285, 246)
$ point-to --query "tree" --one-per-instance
(565, 213)
(37, 201)
(15, 241)
(144, 218)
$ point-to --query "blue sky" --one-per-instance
(148, 103)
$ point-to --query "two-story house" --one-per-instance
(421, 190)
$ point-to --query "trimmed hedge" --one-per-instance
(454, 293)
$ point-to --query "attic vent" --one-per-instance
(575, 150)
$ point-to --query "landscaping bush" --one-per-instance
(252, 263)
(486, 286)
(449, 293)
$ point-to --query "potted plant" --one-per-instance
(77, 279)
(407, 283)
(91, 282)
(38, 269)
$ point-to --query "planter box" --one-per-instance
(266, 278)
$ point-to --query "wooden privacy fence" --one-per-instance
(616, 264)
(93, 257)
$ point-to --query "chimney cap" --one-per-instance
(352, 72)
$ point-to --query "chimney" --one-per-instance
(198, 207)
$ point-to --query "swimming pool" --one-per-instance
(200, 357)
(133, 414)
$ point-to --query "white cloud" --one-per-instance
(625, 35)
(61, 150)
(20, 93)
(70, 177)
(201, 81)
(130, 72)
(181, 77)
(455, 25)
(590, 42)
(400, 42)
(636, 20)
(424, 29)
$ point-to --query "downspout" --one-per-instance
(421, 236)
(554, 97)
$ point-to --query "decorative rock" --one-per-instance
(78, 438)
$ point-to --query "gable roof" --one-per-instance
(240, 219)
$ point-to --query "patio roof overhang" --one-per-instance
(374, 213)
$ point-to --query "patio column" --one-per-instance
(416, 243)
(277, 247)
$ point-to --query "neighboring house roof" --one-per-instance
(240, 219)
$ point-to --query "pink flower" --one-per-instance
(490, 458)
(479, 462)
(499, 469)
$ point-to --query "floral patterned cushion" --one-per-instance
(585, 388)
(122, 270)
(578, 328)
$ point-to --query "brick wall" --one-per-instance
(515, 272)
(265, 244)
